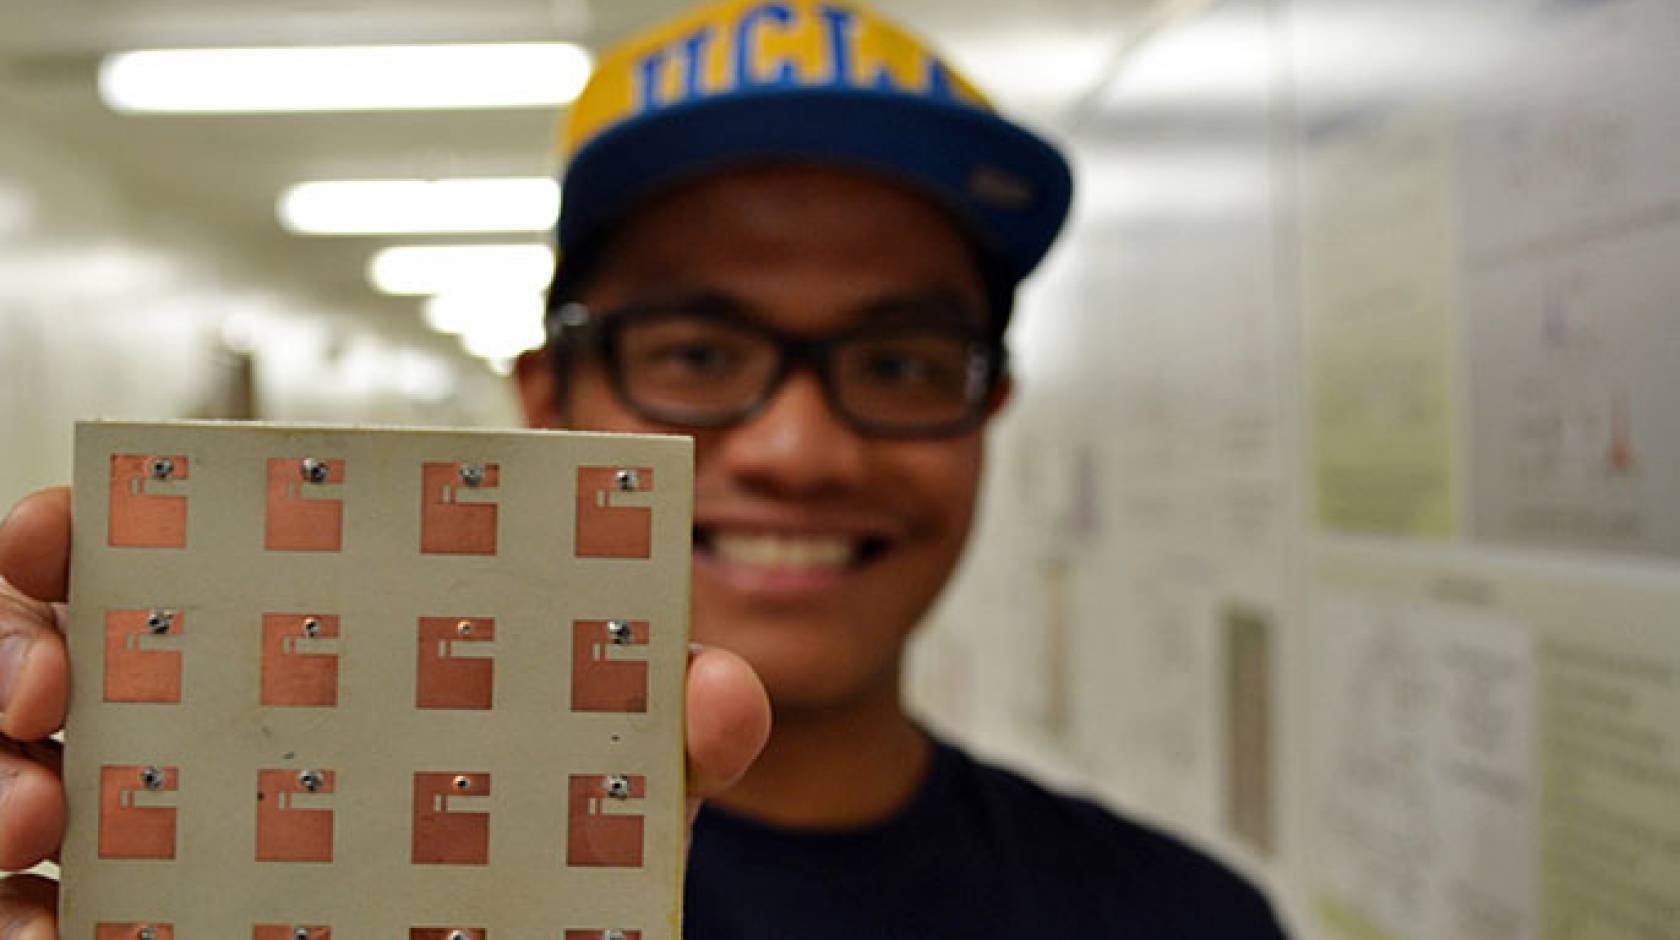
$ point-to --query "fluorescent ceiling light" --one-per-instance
(1219, 63)
(345, 78)
(1045, 69)
(456, 314)
(502, 340)
(441, 269)
(491, 325)
(384, 207)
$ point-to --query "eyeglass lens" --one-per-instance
(707, 371)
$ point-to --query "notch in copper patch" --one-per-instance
(455, 667)
(614, 512)
(448, 933)
(603, 829)
(609, 666)
(143, 655)
(293, 821)
(305, 512)
(444, 832)
(136, 821)
(300, 660)
(147, 507)
(458, 511)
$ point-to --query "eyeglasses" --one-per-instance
(701, 366)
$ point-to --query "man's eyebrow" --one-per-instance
(705, 300)
(937, 306)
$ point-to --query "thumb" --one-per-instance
(728, 716)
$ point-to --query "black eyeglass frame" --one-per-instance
(574, 327)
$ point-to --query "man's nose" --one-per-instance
(796, 445)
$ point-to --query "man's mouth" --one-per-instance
(786, 552)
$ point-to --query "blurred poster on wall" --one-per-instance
(1574, 378)
(1609, 760)
(1160, 732)
(1423, 800)
(1250, 809)
(1496, 749)
(1380, 300)
(1572, 224)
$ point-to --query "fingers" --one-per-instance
(31, 807)
(728, 723)
(34, 667)
(27, 908)
(35, 545)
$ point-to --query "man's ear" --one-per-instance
(539, 389)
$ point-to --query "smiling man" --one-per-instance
(794, 233)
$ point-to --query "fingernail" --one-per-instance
(13, 649)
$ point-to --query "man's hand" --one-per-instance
(728, 712)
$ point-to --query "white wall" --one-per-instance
(1335, 524)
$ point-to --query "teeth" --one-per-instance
(777, 551)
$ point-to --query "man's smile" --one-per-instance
(762, 554)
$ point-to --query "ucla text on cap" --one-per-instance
(751, 46)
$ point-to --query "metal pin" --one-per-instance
(313, 470)
(472, 474)
(159, 621)
(464, 628)
(151, 778)
(311, 627)
(162, 468)
(312, 780)
(618, 787)
(300, 933)
(463, 783)
(457, 935)
(145, 933)
(629, 480)
(612, 935)
(619, 632)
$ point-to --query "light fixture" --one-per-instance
(393, 207)
(439, 269)
(1219, 63)
(504, 340)
(456, 314)
(345, 78)
(1031, 72)
(492, 324)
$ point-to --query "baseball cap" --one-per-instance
(826, 82)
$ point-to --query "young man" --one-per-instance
(793, 233)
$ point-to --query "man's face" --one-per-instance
(817, 549)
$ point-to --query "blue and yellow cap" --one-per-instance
(819, 81)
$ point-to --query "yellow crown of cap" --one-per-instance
(742, 45)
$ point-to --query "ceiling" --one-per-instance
(1041, 60)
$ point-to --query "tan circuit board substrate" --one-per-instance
(376, 684)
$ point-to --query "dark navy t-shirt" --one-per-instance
(980, 853)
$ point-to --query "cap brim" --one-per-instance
(1008, 185)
